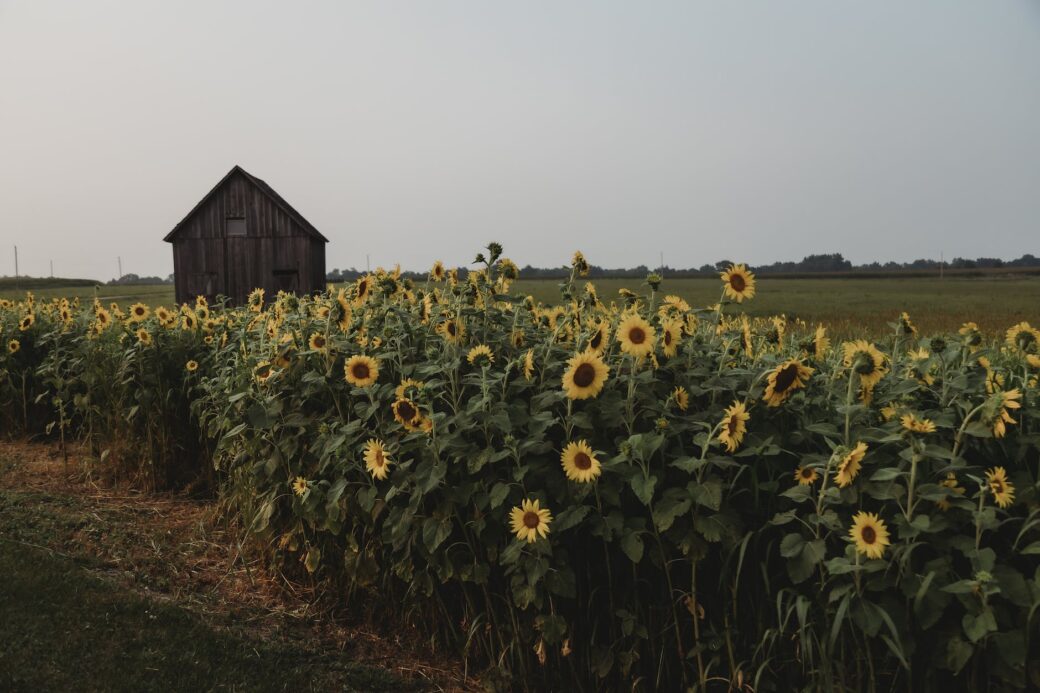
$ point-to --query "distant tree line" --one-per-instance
(810, 264)
(135, 279)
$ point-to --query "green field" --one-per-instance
(845, 304)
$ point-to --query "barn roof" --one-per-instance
(266, 190)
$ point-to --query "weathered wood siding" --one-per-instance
(276, 252)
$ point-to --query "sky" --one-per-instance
(414, 131)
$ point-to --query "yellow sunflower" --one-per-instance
(1001, 417)
(263, 371)
(300, 486)
(789, 376)
(377, 462)
(598, 340)
(821, 342)
(681, 398)
(192, 366)
(636, 336)
(1033, 360)
(1002, 490)
(850, 464)
(671, 335)
(739, 283)
(586, 373)
(361, 371)
(362, 289)
(139, 312)
(806, 476)
(317, 342)
(437, 272)
(529, 521)
(951, 483)
(578, 462)
(453, 331)
(26, 322)
(256, 300)
(13, 346)
(480, 355)
(408, 388)
(869, 533)
(1023, 337)
(734, 426)
(865, 359)
(913, 424)
(529, 365)
(144, 337)
(405, 411)
(906, 328)
(970, 334)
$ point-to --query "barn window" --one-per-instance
(236, 226)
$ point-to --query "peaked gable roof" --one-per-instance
(265, 189)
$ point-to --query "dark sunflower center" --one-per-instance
(451, 329)
(1024, 339)
(263, 371)
(807, 473)
(139, 311)
(596, 340)
(997, 486)
(786, 377)
(582, 461)
(531, 519)
(864, 363)
(668, 338)
(869, 535)
(360, 371)
(379, 459)
(406, 411)
(737, 282)
(636, 335)
(584, 375)
(319, 342)
(733, 425)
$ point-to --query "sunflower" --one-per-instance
(739, 283)
(189, 321)
(850, 464)
(1023, 337)
(256, 300)
(480, 355)
(671, 335)
(144, 337)
(578, 463)
(734, 426)
(453, 331)
(317, 342)
(1001, 417)
(585, 375)
(580, 264)
(13, 346)
(1033, 360)
(361, 371)
(529, 365)
(437, 272)
(906, 328)
(821, 342)
(408, 388)
(970, 334)
(865, 359)
(405, 411)
(300, 486)
(26, 322)
(789, 376)
(165, 317)
(915, 425)
(681, 398)
(139, 312)
(951, 483)
(636, 336)
(192, 366)
(869, 533)
(1002, 490)
(376, 460)
(598, 340)
(529, 521)
(746, 340)
(262, 371)
(806, 476)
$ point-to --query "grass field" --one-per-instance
(845, 304)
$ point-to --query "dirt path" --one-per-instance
(166, 565)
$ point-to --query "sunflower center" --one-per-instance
(531, 519)
(869, 535)
(864, 363)
(319, 342)
(406, 411)
(785, 378)
(807, 473)
(263, 372)
(379, 459)
(596, 340)
(582, 461)
(733, 425)
(451, 329)
(637, 335)
(737, 282)
(668, 338)
(360, 371)
(584, 375)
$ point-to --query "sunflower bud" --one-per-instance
(654, 280)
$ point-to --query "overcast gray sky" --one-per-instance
(412, 131)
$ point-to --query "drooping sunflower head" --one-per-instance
(529, 365)
(580, 265)
(1024, 338)
(530, 521)
(864, 359)
(437, 271)
(849, 464)
(408, 389)
(949, 483)
(869, 534)
(680, 398)
(739, 283)
(913, 424)
(1002, 489)
(480, 356)
(377, 462)
(784, 380)
(256, 300)
(821, 343)
(579, 463)
(733, 426)
(970, 334)
(585, 375)
(996, 413)
(361, 370)
(806, 476)
(636, 336)
(671, 335)
(906, 327)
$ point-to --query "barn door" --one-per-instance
(236, 259)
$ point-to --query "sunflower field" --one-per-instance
(610, 492)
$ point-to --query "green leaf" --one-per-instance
(976, 627)
(644, 487)
(792, 545)
(498, 494)
(632, 545)
(313, 559)
(668, 509)
(569, 518)
(707, 494)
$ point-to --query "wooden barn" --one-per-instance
(243, 235)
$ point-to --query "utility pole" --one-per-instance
(52, 269)
(661, 266)
(16, 262)
(942, 263)
(119, 259)
(368, 262)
